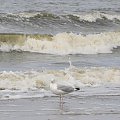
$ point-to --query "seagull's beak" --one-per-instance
(52, 81)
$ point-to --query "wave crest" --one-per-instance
(62, 43)
(74, 76)
(27, 17)
(93, 17)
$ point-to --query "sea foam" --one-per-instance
(94, 16)
(63, 43)
(78, 77)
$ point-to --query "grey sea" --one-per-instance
(75, 42)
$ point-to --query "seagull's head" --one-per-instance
(53, 81)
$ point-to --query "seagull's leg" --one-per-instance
(60, 101)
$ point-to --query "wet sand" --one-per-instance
(75, 108)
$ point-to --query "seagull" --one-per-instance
(61, 90)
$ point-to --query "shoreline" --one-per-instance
(47, 108)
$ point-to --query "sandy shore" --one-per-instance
(75, 108)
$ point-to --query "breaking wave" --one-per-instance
(78, 77)
(33, 17)
(62, 43)
(93, 17)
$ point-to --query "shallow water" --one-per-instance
(82, 105)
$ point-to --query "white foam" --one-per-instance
(69, 43)
(92, 17)
(88, 16)
(12, 94)
(34, 84)
(74, 76)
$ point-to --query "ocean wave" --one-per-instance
(26, 16)
(31, 17)
(62, 43)
(89, 16)
(94, 16)
(78, 77)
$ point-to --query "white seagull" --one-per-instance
(61, 90)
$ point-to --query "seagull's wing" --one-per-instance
(65, 88)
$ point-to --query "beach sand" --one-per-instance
(75, 108)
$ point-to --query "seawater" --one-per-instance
(74, 42)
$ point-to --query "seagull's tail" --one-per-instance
(76, 89)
